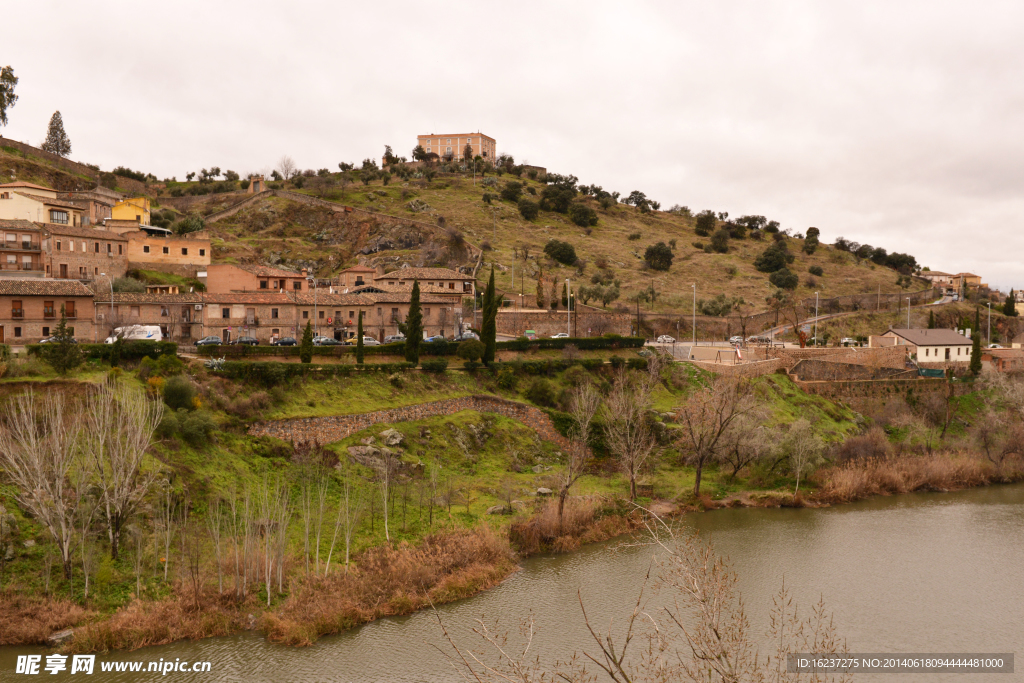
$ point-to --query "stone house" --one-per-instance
(264, 315)
(453, 145)
(96, 204)
(176, 313)
(80, 253)
(158, 249)
(21, 249)
(1002, 360)
(135, 209)
(444, 278)
(228, 277)
(30, 309)
(29, 202)
(356, 276)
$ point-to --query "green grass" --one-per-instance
(156, 277)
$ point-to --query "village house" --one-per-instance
(21, 249)
(440, 315)
(178, 315)
(134, 209)
(227, 277)
(159, 249)
(30, 309)
(939, 279)
(80, 253)
(444, 278)
(36, 203)
(356, 276)
(453, 145)
(266, 316)
(332, 314)
(928, 347)
(96, 204)
(1002, 360)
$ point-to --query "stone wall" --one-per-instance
(890, 357)
(545, 323)
(337, 427)
(752, 369)
(878, 388)
(812, 370)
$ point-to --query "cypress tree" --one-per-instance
(57, 141)
(359, 339)
(540, 291)
(1010, 306)
(565, 296)
(63, 353)
(975, 366)
(306, 346)
(414, 326)
(489, 329)
(931, 320)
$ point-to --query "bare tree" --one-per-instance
(350, 511)
(385, 468)
(167, 518)
(215, 525)
(628, 424)
(286, 167)
(583, 406)
(707, 419)
(748, 443)
(120, 423)
(39, 448)
(804, 448)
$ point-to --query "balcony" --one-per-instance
(24, 267)
(49, 313)
(17, 313)
(20, 246)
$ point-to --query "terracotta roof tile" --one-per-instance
(48, 201)
(28, 185)
(246, 298)
(78, 231)
(920, 337)
(150, 298)
(41, 287)
(18, 224)
(260, 270)
(424, 274)
(328, 299)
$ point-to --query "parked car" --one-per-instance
(560, 335)
(53, 340)
(435, 338)
(212, 340)
(326, 341)
(135, 332)
(394, 338)
(666, 339)
(736, 339)
(467, 336)
(247, 341)
(285, 341)
(758, 339)
(990, 346)
(848, 341)
(530, 334)
(370, 341)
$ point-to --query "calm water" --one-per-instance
(918, 573)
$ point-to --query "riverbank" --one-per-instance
(400, 579)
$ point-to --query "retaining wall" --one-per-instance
(751, 369)
(337, 427)
(876, 388)
(546, 322)
(887, 357)
(812, 370)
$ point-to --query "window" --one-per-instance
(926, 352)
(380, 311)
(17, 312)
(275, 331)
(17, 331)
(273, 313)
(263, 284)
(167, 250)
(134, 311)
(451, 285)
(145, 249)
(351, 314)
(297, 285)
(426, 312)
(83, 247)
(46, 331)
(58, 245)
(110, 248)
(96, 247)
(48, 310)
(449, 141)
(60, 217)
(391, 282)
(202, 252)
(69, 309)
(305, 315)
(225, 313)
(120, 249)
(184, 251)
(321, 315)
(164, 312)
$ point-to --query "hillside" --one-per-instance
(287, 232)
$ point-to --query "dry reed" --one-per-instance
(28, 620)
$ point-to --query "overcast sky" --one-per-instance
(891, 123)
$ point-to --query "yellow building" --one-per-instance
(134, 209)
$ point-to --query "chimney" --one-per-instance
(380, 271)
(304, 272)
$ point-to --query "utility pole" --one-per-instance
(908, 312)
(694, 341)
(815, 319)
(312, 281)
(568, 307)
(989, 337)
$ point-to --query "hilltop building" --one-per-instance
(930, 347)
(133, 209)
(25, 201)
(452, 146)
(21, 249)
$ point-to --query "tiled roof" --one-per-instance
(28, 185)
(328, 299)
(1004, 353)
(41, 287)
(149, 298)
(246, 298)
(926, 273)
(407, 289)
(424, 274)
(49, 202)
(360, 268)
(79, 231)
(404, 298)
(261, 270)
(933, 337)
(18, 224)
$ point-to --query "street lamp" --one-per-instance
(694, 341)
(568, 307)
(111, 281)
(815, 320)
(908, 312)
(312, 281)
(989, 336)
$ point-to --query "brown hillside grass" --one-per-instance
(28, 620)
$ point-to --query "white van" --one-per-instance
(136, 332)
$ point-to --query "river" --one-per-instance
(915, 573)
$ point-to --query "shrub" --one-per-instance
(816, 270)
(617, 361)
(437, 365)
(471, 351)
(179, 394)
(527, 209)
(698, 245)
(659, 256)
(771, 259)
(195, 428)
(507, 377)
(128, 284)
(705, 223)
(582, 215)
(512, 191)
(563, 252)
(810, 244)
(556, 198)
(784, 279)
(488, 197)
(633, 236)
(720, 240)
(541, 392)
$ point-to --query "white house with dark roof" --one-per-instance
(929, 346)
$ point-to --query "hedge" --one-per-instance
(426, 349)
(130, 350)
(270, 374)
(5, 352)
(437, 366)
